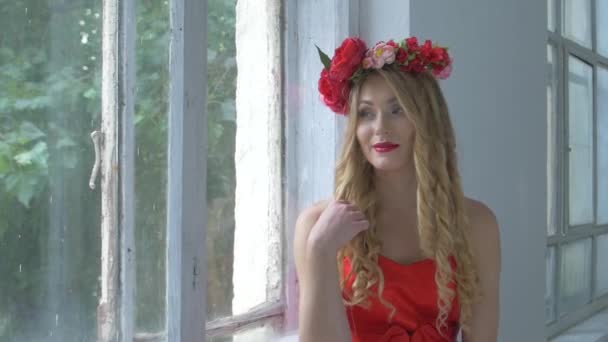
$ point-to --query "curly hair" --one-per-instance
(442, 221)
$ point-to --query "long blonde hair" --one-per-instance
(442, 221)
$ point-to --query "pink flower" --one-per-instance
(368, 62)
(382, 53)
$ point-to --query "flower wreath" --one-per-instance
(353, 60)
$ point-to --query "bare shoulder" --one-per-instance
(480, 214)
(484, 233)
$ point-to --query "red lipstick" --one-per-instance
(385, 147)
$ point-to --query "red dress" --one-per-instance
(412, 290)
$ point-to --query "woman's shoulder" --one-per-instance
(484, 232)
(480, 215)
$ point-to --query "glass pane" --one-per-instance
(551, 15)
(221, 64)
(580, 128)
(549, 285)
(602, 146)
(601, 266)
(601, 9)
(151, 136)
(50, 64)
(577, 21)
(575, 279)
(552, 142)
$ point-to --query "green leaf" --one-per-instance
(4, 165)
(12, 181)
(25, 193)
(324, 58)
(90, 93)
(30, 130)
(65, 142)
(38, 155)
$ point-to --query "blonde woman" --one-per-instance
(399, 253)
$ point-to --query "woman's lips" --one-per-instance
(385, 149)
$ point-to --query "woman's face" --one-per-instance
(382, 120)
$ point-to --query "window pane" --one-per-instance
(552, 142)
(577, 21)
(602, 146)
(601, 267)
(551, 15)
(601, 9)
(580, 128)
(549, 285)
(575, 279)
(221, 64)
(50, 64)
(151, 107)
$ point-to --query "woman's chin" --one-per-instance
(387, 167)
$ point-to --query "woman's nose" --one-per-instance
(382, 123)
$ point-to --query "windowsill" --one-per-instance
(594, 329)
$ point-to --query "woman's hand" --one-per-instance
(337, 225)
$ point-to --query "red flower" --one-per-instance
(438, 55)
(347, 58)
(334, 93)
(412, 44)
(392, 43)
(446, 57)
(416, 65)
(426, 51)
(402, 56)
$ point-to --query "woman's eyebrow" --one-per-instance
(389, 101)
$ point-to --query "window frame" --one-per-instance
(564, 48)
(186, 272)
(107, 310)
(186, 222)
(187, 175)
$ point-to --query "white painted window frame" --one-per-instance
(308, 140)
(186, 197)
(565, 234)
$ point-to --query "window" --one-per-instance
(187, 191)
(50, 242)
(577, 166)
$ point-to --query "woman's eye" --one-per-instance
(396, 110)
(364, 114)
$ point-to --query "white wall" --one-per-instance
(497, 100)
(313, 132)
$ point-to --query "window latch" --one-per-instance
(96, 137)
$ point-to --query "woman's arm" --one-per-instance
(485, 240)
(322, 315)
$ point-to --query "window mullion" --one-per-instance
(126, 47)
(187, 174)
(107, 320)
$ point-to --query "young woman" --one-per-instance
(416, 259)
